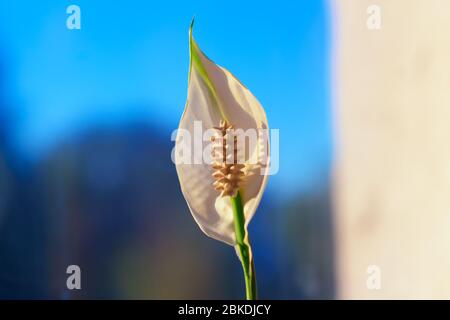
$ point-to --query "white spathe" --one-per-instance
(214, 93)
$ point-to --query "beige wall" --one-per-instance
(392, 154)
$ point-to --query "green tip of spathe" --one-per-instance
(191, 37)
(192, 25)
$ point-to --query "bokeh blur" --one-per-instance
(86, 176)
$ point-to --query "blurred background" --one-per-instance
(359, 90)
(86, 176)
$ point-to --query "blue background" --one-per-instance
(82, 110)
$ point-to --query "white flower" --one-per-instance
(219, 100)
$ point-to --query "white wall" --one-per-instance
(392, 161)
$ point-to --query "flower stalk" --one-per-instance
(243, 248)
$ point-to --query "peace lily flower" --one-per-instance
(224, 193)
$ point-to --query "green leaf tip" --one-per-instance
(191, 37)
(192, 25)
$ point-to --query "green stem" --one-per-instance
(243, 248)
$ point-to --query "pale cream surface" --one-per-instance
(392, 153)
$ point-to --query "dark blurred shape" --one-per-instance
(113, 199)
(309, 234)
(22, 259)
